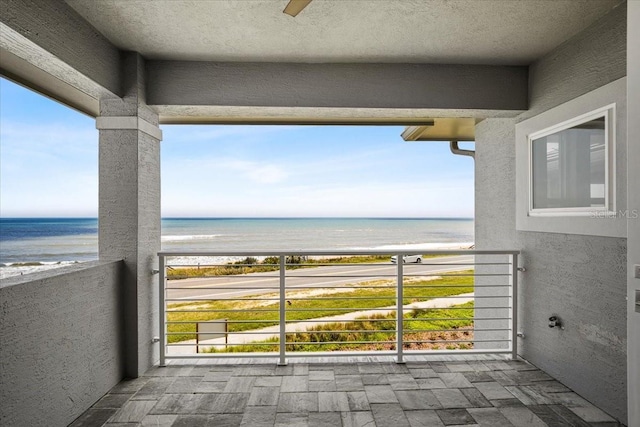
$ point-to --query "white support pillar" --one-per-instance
(129, 209)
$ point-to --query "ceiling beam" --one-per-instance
(184, 88)
(49, 37)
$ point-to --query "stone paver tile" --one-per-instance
(569, 399)
(389, 414)
(592, 414)
(455, 417)
(439, 367)
(264, 396)
(476, 398)
(259, 416)
(133, 411)
(191, 421)
(284, 370)
(502, 377)
(184, 385)
(496, 365)
(321, 375)
(489, 417)
(550, 387)
(357, 419)
(349, 383)
(380, 394)
(375, 379)
(129, 386)
(529, 377)
(153, 389)
(322, 386)
(423, 373)
(254, 371)
(291, 420)
(358, 401)
(112, 401)
(199, 371)
(93, 417)
(211, 387)
(159, 420)
(274, 381)
(506, 403)
(430, 383)
(522, 417)
(239, 385)
(346, 369)
(460, 367)
(301, 369)
(335, 401)
(479, 367)
(403, 382)
(417, 399)
(451, 398)
(493, 390)
(325, 419)
(224, 420)
(177, 404)
(423, 418)
(217, 376)
(556, 415)
(455, 380)
(294, 384)
(168, 371)
(222, 403)
(372, 368)
(477, 377)
(530, 396)
(520, 365)
(298, 402)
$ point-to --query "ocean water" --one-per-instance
(51, 242)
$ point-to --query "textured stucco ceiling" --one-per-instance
(507, 32)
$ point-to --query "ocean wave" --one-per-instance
(419, 246)
(188, 238)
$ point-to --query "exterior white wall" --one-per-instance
(581, 278)
(61, 341)
(633, 221)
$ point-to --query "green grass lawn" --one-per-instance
(379, 295)
(373, 329)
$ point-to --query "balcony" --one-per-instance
(479, 390)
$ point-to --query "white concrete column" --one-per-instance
(129, 209)
(633, 218)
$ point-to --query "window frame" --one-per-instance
(609, 114)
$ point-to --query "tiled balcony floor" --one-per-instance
(358, 392)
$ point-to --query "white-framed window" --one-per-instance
(571, 167)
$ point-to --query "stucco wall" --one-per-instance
(633, 220)
(61, 343)
(581, 278)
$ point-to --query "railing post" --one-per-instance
(514, 306)
(283, 313)
(400, 309)
(162, 313)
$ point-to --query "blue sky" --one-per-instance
(49, 167)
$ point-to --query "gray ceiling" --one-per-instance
(506, 32)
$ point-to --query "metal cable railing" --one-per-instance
(314, 303)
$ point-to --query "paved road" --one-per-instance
(318, 277)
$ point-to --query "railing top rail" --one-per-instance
(341, 252)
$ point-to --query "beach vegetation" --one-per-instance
(255, 312)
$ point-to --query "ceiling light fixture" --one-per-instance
(295, 7)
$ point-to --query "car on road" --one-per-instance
(407, 258)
